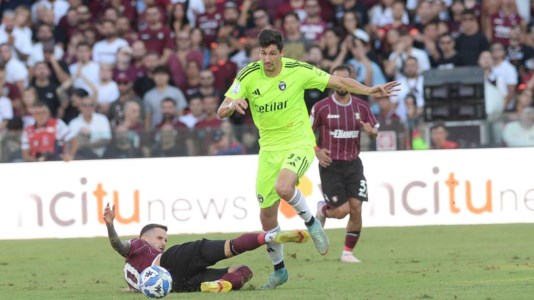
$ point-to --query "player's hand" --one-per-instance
(109, 214)
(385, 90)
(367, 127)
(239, 105)
(323, 155)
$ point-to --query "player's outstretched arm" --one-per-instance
(228, 107)
(352, 86)
(122, 247)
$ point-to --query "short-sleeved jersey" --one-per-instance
(140, 257)
(277, 103)
(339, 125)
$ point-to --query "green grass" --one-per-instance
(434, 262)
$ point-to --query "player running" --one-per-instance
(189, 262)
(274, 89)
(339, 121)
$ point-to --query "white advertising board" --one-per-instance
(217, 194)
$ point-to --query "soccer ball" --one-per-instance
(155, 282)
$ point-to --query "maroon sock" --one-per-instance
(351, 238)
(246, 242)
(238, 277)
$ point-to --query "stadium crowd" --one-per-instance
(88, 79)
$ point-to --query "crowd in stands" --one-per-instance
(87, 79)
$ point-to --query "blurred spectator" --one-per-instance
(6, 113)
(129, 135)
(519, 53)
(196, 112)
(520, 133)
(333, 51)
(209, 21)
(71, 99)
(146, 82)
(197, 43)
(224, 141)
(291, 6)
(91, 130)
(504, 69)
(178, 21)
(125, 31)
(447, 57)
(59, 8)
(108, 90)
(313, 26)
(85, 72)
(18, 38)
(183, 54)
(411, 83)
(173, 137)
(16, 71)
(138, 55)
(46, 90)
(192, 82)
(387, 115)
(223, 69)
(231, 27)
(153, 98)
(207, 88)
(105, 50)
(500, 23)
(425, 14)
(157, 35)
(82, 23)
(438, 138)
(295, 44)
(345, 6)
(126, 93)
(48, 138)
(429, 39)
(204, 128)
(45, 49)
(120, 7)
(10, 91)
(350, 25)
(471, 41)
(455, 17)
(314, 58)
(261, 21)
(366, 70)
(385, 13)
(123, 66)
(29, 98)
(404, 49)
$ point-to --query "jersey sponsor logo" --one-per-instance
(236, 88)
(282, 86)
(342, 134)
(269, 107)
(329, 116)
(256, 92)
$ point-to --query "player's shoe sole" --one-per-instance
(217, 286)
(319, 237)
(294, 236)
(349, 259)
(276, 279)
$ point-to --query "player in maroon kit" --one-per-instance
(189, 262)
(339, 120)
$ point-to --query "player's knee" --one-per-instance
(238, 277)
(341, 212)
(285, 190)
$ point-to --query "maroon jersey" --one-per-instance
(502, 25)
(157, 40)
(140, 257)
(339, 125)
(209, 23)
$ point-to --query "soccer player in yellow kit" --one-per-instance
(274, 89)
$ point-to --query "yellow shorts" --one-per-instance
(271, 163)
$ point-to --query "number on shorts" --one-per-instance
(363, 189)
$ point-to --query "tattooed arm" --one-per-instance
(122, 247)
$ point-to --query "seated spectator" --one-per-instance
(129, 136)
(16, 72)
(123, 65)
(125, 31)
(334, 52)
(447, 57)
(172, 137)
(206, 87)
(91, 130)
(204, 128)
(224, 141)
(410, 83)
(313, 25)
(209, 21)
(178, 20)
(108, 90)
(520, 133)
(223, 69)
(154, 97)
(295, 44)
(145, 82)
(46, 90)
(19, 38)
(192, 81)
(367, 71)
(196, 112)
(404, 49)
(387, 115)
(48, 138)
(85, 71)
(45, 36)
(157, 35)
(438, 138)
(116, 110)
(181, 56)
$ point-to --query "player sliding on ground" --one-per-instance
(274, 89)
(189, 262)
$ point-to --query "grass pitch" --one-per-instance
(434, 262)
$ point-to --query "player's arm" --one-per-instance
(229, 105)
(354, 87)
(122, 247)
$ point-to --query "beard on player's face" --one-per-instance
(341, 93)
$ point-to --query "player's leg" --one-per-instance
(357, 194)
(268, 168)
(335, 203)
(223, 280)
(294, 166)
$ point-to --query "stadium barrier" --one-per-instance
(216, 194)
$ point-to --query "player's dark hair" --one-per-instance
(149, 227)
(343, 68)
(269, 37)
